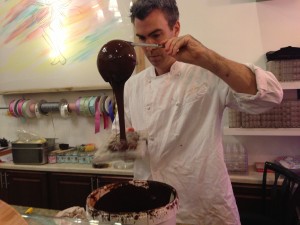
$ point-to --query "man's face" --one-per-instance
(154, 29)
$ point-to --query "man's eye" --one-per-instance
(155, 36)
(142, 39)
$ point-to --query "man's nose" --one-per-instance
(149, 41)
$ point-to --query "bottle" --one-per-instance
(243, 158)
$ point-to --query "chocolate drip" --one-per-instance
(119, 93)
(116, 62)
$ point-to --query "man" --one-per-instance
(179, 101)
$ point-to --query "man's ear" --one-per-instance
(176, 28)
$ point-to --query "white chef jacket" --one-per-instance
(182, 113)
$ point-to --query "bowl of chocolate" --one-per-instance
(134, 202)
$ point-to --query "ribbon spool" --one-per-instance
(22, 108)
(96, 106)
(92, 105)
(87, 105)
(26, 109)
(109, 108)
(37, 109)
(84, 106)
(102, 110)
(77, 106)
(47, 107)
(19, 107)
(102, 104)
(50, 107)
(64, 109)
(15, 107)
(11, 108)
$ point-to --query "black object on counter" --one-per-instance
(3, 142)
(100, 165)
(63, 146)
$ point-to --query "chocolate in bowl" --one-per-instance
(135, 202)
(116, 62)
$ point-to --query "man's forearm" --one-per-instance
(238, 76)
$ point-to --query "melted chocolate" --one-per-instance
(130, 198)
(116, 62)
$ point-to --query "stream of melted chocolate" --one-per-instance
(116, 62)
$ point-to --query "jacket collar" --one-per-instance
(174, 70)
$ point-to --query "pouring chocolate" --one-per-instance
(116, 62)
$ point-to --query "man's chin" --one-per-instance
(154, 61)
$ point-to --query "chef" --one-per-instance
(179, 101)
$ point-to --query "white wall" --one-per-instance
(243, 30)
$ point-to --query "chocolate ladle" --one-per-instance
(115, 62)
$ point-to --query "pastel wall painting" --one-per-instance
(53, 44)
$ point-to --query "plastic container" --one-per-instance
(123, 165)
(236, 158)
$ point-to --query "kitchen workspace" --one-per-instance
(78, 145)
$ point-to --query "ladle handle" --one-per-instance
(119, 88)
(145, 45)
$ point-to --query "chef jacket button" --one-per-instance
(177, 103)
(148, 107)
(149, 81)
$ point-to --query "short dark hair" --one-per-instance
(142, 8)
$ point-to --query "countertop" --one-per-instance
(40, 216)
(251, 177)
(68, 168)
(47, 217)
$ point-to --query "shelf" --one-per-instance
(290, 85)
(267, 131)
(262, 131)
(105, 86)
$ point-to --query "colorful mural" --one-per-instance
(40, 36)
(71, 28)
